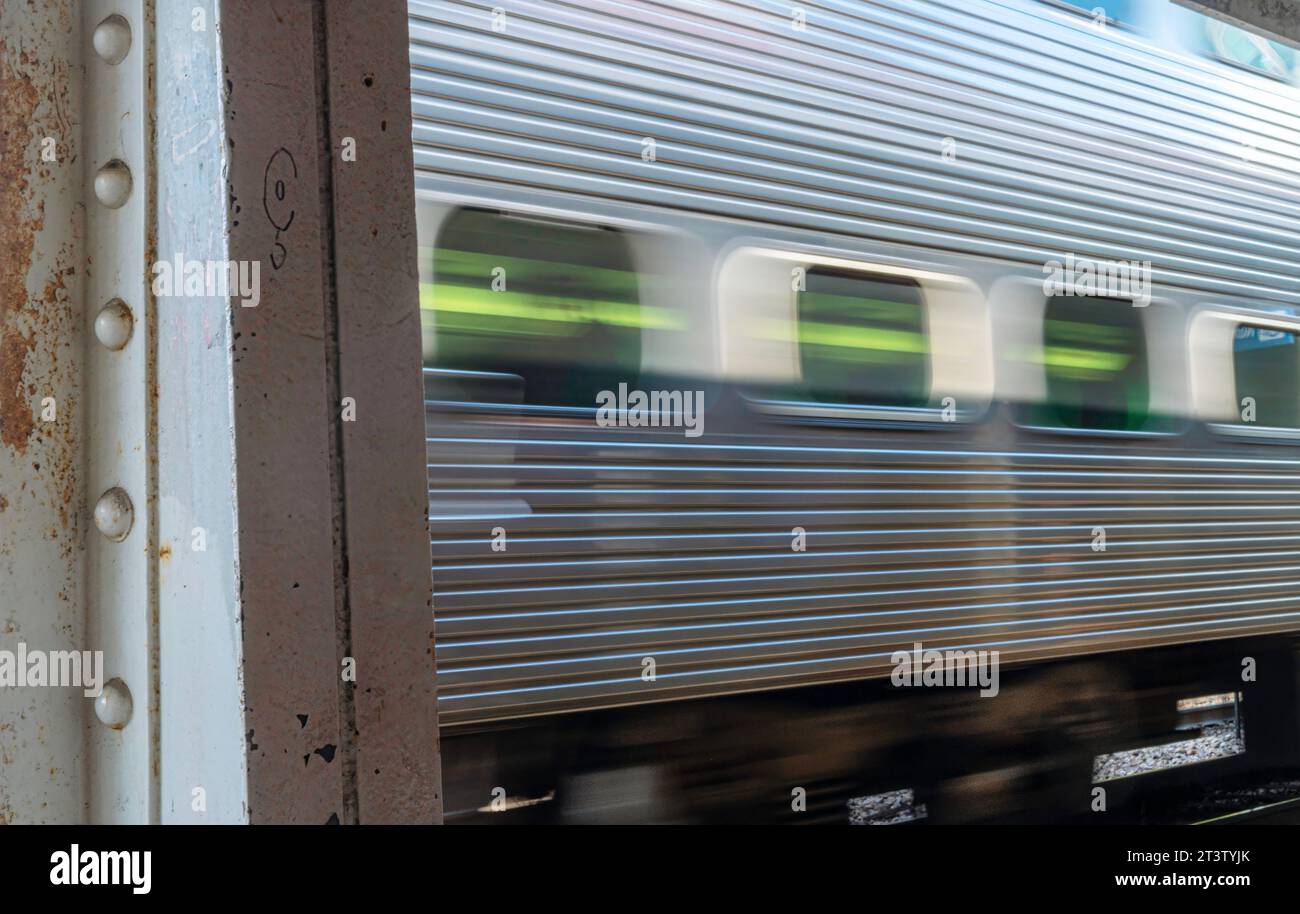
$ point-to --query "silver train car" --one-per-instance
(765, 340)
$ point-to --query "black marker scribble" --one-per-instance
(275, 191)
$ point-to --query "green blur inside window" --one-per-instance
(1095, 362)
(551, 307)
(862, 340)
(1266, 369)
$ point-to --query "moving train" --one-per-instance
(768, 342)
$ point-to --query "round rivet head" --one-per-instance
(113, 704)
(113, 324)
(113, 184)
(113, 514)
(112, 39)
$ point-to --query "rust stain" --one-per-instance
(165, 552)
(57, 313)
(36, 361)
(19, 98)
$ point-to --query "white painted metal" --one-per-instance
(204, 774)
(121, 607)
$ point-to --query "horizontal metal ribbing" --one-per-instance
(837, 127)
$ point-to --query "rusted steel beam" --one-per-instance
(42, 526)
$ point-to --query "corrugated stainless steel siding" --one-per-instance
(630, 545)
(1070, 139)
(636, 545)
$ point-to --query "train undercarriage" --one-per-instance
(799, 756)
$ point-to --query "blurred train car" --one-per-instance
(821, 231)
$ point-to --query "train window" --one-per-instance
(547, 312)
(1095, 365)
(1239, 47)
(1266, 368)
(862, 340)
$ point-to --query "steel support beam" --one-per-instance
(257, 576)
(121, 598)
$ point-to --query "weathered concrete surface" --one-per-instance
(42, 526)
(283, 420)
(1279, 19)
(390, 611)
(332, 538)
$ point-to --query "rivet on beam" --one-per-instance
(113, 324)
(113, 184)
(114, 514)
(112, 39)
(113, 704)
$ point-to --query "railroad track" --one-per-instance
(1218, 713)
(1281, 812)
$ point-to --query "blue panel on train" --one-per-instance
(1227, 43)
(1260, 338)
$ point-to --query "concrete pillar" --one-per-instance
(292, 427)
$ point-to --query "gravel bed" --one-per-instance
(1216, 741)
(890, 808)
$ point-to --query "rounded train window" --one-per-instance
(1095, 366)
(531, 311)
(1266, 369)
(862, 339)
